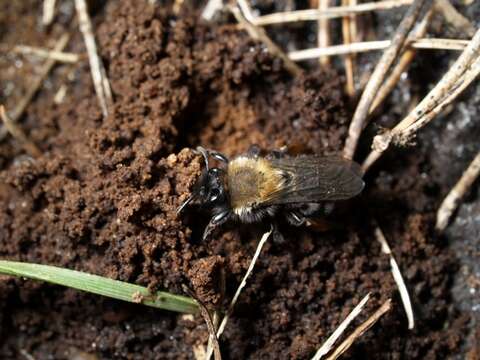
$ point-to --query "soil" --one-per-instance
(103, 197)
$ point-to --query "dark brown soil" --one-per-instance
(103, 199)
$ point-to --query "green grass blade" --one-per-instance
(99, 285)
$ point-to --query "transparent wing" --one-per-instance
(316, 179)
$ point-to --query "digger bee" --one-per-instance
(250, 187)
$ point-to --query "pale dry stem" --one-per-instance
(227, 315)
(22, 104)
(330, 13)
(327, 345)
(401, 65)
(100, 80)
(348, 33)
(18, 134)
(397, 276)
(360, 330)
(426, 43)
(378, 75)
(48, 12)
(457, 193)
(244, 18)
(323, 33)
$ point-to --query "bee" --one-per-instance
(250, 188)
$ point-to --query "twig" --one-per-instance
(348, 32)
(100, 81)
(402, 64)
(211, 8)
(458, 77)
(229, 312)
(59, 56)
(397, 276)
(323, 33)
(327, 345)
(427, 43)
(208, 320)
(360, 330)
(18, 134)
(375, 81)
(258, 33)
(453, 17)
(452, 200)
(22, 104)
(48, 12)
(330, 13)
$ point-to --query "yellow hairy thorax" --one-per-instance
(250, 182)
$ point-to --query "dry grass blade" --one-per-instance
(397, 276)
(452, 200)
(427, 43)
(42, 52)
(402, 64)
(211, 8)
(48, 12)
(100, 81)
(208, 320)
(360, 330)
(36, 83)
(260, 34)
(327, 345)
(375, 81)
(323, 33)
(224, 321)
(349, 35)
(330, 13)
(463, 72)
(18, 134)
(453, 17)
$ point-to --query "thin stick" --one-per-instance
(360, 330)
(327, 345)
(375, 81)
(18, 134)
(427, 43)
(229, 312)
(402, 64)
(48, 12)
(208, 320)
(460, 75)
(260, 34)
(330, 13)
(454, 197)
(59, 56)
(100, 81)
(323, 33)
(347, 27)
(211, 8)
(453, 17)
(397, 276)
(22, 104)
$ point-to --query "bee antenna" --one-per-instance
(204, 153)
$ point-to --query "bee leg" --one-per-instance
(277, 235)
(295, 219)
(215, 222)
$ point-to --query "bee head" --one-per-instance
(209, 190)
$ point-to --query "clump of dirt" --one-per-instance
(104, 195)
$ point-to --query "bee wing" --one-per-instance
(316, 179)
